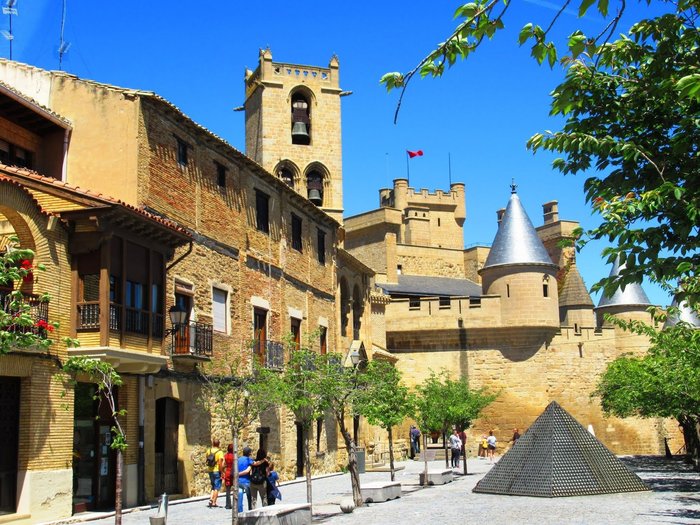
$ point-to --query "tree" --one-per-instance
(665, 382)
(301, 388)
(443, 402)
(233, 393)
(18, 327)
(631, 109)
(383, 400)
(341, 386)
(107, 381)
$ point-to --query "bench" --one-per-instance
(285, 514)
(379, 491)
(436, 477)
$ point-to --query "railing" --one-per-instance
(192, 339)
(270, 354)
(136, 321)
(38, 311)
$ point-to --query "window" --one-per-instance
(414, 303)
(475, 302)
(321, 246)
(399, 269)
(296, 233)
(507, 290)
(438, 222)
(286, 175)
(220, 175)
(296, 332)
(262, 211)
(323, 339)
(545, 286)
(260, 334)
(181, 152)
(13, 155)
(219, 299)
(444, 302)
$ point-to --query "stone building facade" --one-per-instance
(514, 318)
(251, 258)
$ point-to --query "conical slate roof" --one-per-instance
(573, 290)
(631, 295)
(685, 314)
(558, 457)
(517, 241)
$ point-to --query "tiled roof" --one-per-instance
(30, 101)
(517, 241)
(15, 174)
(426, 286)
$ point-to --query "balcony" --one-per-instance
(136, 320)
(193, 339)
(269, 354)
(38, 311)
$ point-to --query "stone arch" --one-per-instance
(317, 179)
(301, 100)
(344, 306)
(358, 307)
(289, 173)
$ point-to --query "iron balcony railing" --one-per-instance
(269, 354)
(38, 311)
(192, 339)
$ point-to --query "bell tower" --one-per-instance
(292, 124)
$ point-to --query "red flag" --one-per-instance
(412, 154)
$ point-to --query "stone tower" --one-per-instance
(292, 120)
(521, 272)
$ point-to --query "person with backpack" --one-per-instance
(215, 466)
(258, 478)
(245, 464)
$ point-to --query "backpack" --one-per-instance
(211, 458)
(258, 475)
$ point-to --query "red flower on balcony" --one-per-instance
(26, 264)
(43, 325)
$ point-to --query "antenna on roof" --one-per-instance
(63, 46)
(9, 9)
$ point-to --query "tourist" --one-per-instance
(228, 473)
(455, 447)
(245, 464)
(491, 443)
(516, 436)
(258, 478)
(214, 460)
(414, 433)
(273, 492)
(483, 447)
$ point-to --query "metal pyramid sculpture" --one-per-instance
(558, 457)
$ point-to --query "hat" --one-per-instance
(247, 451)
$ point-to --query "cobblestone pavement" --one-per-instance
(674, 498)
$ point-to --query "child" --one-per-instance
(273, 492)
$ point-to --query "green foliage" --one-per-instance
(443, 402)
(18, 328)
(632, 113)
(107, 380)
(381, 397)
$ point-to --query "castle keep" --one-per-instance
(134, 209)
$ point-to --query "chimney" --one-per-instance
(550, 211)
(499, 215)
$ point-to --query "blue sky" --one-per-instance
(480, 113)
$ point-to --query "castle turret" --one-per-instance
(575, 304)
(520, 270)
(685, 314)
(628, 302)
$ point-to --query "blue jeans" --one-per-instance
(245, 486)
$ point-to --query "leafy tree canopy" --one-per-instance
(383, 399)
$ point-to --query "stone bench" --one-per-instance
(437, 477)
(285, 514)
(381, 491)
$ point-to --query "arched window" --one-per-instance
(287, 176)
(314, 187)
(301, 120)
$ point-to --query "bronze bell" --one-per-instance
(299, 130)
(315, 197)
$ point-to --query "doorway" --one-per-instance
(9, 442)
(166, 446)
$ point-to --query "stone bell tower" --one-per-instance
(292, 116)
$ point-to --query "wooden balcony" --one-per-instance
(134, 321)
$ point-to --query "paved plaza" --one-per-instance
(674, 498)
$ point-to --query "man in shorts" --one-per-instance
(215, 466)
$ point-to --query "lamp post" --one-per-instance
(355, 358)
(178, 317)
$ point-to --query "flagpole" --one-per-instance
(449, 167)
(408, 173)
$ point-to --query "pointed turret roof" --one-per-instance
(630, 295)
(517, 241)
(558, 457)
(685, 314)
(573, 291)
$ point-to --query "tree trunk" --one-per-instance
(691, 438)
(118, 490)
(425, 459)
(444, 447)
(307, 462)
(352, 463)
(234, 483)
(391, 454)
(464, 455)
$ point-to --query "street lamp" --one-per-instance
(178, 317)
(355, 358)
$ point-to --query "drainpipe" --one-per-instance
(142, 458)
